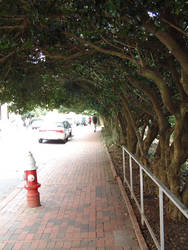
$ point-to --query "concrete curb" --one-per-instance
(10, 197)
(140, 238)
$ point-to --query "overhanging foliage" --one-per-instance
(125, 59)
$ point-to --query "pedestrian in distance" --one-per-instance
(89, 120)
(95, 119)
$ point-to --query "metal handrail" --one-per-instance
(162, 190)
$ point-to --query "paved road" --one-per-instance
(12, 149)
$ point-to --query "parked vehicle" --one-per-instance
(36, 124)
(77, 123)
(54, 131)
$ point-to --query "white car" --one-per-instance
(54, 131)
(36, 124)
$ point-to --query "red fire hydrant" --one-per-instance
(32, 185)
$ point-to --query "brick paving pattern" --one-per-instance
(82, 207)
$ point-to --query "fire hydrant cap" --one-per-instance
(31, 163)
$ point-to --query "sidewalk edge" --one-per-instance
(10, 197)
(133, 218)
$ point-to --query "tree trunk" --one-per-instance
(131, 138)
(123, 124)
(151, 135)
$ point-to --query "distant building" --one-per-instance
(4, 114)
(8, 118)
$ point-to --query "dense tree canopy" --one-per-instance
(125, 59)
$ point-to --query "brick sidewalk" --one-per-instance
(82, 207)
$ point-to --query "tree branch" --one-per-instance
(170, 42)
(111, 44)
(99, 49)
(152, 97)
(3, 59)
(61, 57)
(174, 26)
(21, 27)
(162, 86)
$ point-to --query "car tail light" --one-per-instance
(51, 130)
(59, 131)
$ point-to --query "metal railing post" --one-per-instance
(123, 164)
(131, 175)
(142, 196)
(161, 212)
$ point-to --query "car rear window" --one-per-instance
(52, 125)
